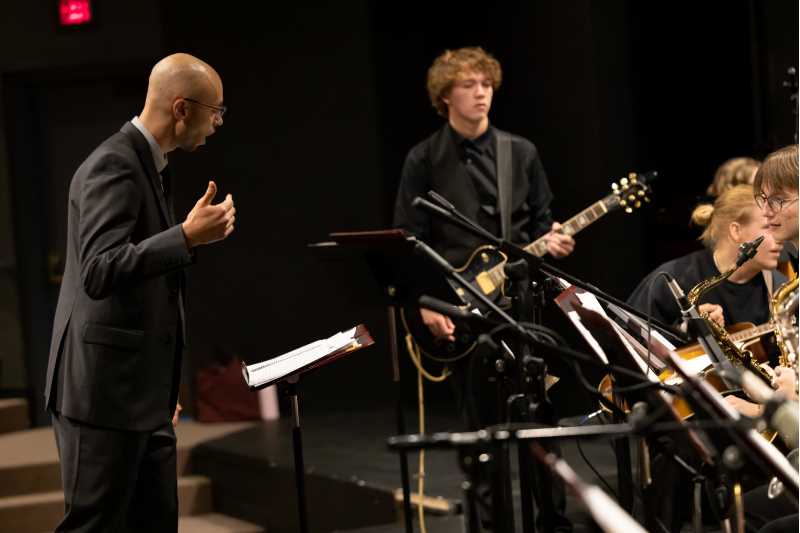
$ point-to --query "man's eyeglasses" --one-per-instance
(219, 109)
(775, 203)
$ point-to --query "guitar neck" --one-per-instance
(571, 227)
(752, 333)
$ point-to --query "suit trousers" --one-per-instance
(116, 480)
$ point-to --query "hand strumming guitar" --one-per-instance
(440, 325)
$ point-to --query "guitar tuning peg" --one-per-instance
(633, 179)
(632, 176)
(641, 192)
(647, 199)
(631, 197)
(628, 210)
(638, 204)
(623, 203)
(624, 181)
(614, 186)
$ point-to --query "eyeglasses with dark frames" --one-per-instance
(219, 109)
(775, 203)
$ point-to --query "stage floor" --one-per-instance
(351, 473)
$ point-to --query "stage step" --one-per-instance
(29, 459)
(194, 495)
(42, 511)
(14, 415)
(215, 523)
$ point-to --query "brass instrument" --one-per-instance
(783, 308)
(736, 355)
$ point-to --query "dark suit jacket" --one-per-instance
(118, 330)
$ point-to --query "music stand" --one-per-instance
(401, 275)
(361, 339)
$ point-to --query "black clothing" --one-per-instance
(118, 337)
(764, 514)
(140, 496)
(790, 254)
(465, 173)
(118, 330)
(668, 499)
(740, 302)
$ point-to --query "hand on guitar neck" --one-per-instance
(559, 244)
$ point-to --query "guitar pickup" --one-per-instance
(485, 283)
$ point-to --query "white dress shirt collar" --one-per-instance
(159, 157)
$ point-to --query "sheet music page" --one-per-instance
(277, 367)
(589, 301)
(587, 336)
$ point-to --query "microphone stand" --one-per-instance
(451, 215)
(762, 454)
(502, 508)
(700, 326)
(532, 377)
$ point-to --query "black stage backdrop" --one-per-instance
(325, 100)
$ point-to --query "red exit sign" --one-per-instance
(74, 12)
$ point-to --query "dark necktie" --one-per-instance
(166, 185)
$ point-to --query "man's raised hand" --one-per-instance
(207, 222)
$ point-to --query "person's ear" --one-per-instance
(179, 109)
(735, 232)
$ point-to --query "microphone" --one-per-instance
(421, 203)
(441, 200)
(455, 312)
(747, 250)
(699, 326)
(423, 249)
(782, 417)
(780, 414)
(679, 295)
(443, 308)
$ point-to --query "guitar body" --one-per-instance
(484, 269)
(477, 271)
(744, 334)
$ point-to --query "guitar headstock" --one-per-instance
(631, 191)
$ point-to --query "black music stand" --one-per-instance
(362, 339)
(402, 275)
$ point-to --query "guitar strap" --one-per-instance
(504, 182)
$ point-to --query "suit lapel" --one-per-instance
(146, 159)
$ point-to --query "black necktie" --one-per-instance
(166, 181)
(166, 185)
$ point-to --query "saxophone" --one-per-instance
(737, 356)
(783, 308)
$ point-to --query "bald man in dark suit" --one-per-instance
(119, 331)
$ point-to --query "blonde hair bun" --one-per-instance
(701, 216)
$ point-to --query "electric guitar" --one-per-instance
(484, 268)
